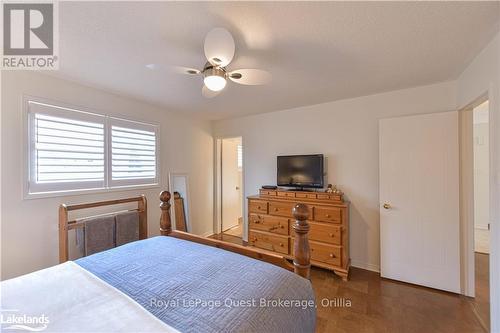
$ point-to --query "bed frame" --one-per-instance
(65, 225)
(302, 257)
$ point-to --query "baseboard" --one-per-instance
(366, 266)
(231, 227)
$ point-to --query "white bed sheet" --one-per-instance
(71, 299)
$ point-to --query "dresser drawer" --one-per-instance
(281, 208)
(305, 195)
(271, 193)
(274, 224)
(285, 194)
(269, 242)
(322, 232)
(330, 254)
(329, 196)
(325, 232)
(257, 206)
(328, 214)
(325, 253)
(285, 209)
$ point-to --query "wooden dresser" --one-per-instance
(270, 226)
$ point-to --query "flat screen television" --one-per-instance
(300, 171)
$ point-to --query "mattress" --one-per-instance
(67, 298)
(198, 288)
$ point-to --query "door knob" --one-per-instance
(387, 206)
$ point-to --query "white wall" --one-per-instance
(29, 227)
(347, 133)
(482, 77)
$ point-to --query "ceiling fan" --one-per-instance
(219, 49)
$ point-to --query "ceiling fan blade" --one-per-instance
(174, 69)
(219, 47)
(252, 77)
(185, 70)
(209, 93)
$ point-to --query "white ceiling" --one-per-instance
(316, 52)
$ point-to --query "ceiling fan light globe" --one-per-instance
(214, 82)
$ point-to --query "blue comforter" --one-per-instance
(197, 288)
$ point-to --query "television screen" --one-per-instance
(300, 170)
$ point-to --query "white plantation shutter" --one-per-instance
(72, 150)
(133, 153)
(67, 149)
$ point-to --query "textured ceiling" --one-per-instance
(316, 52)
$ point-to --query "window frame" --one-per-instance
(33, 190)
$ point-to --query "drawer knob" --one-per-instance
(282, 226)
(256, 221)
(258, 207)
(331, 235)
(327, 215)
(281, 244)
(332, 255)
(275, 209)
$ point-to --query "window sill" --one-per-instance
(55, 194)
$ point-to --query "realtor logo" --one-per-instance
(29, 31)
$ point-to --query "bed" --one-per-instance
(176, 282)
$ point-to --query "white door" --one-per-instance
(231, 186)
(419, 182)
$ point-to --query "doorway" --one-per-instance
(481, 216)
(230, 181)
(475, 183)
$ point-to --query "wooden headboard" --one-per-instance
(65, 225)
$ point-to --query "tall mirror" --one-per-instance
(179, 187)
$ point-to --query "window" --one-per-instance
(133, 153)
(73, 150)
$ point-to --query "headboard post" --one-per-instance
(63, 233)
(142, 206)
(165, 222)
(302, 257)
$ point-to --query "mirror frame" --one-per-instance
(171, 177)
